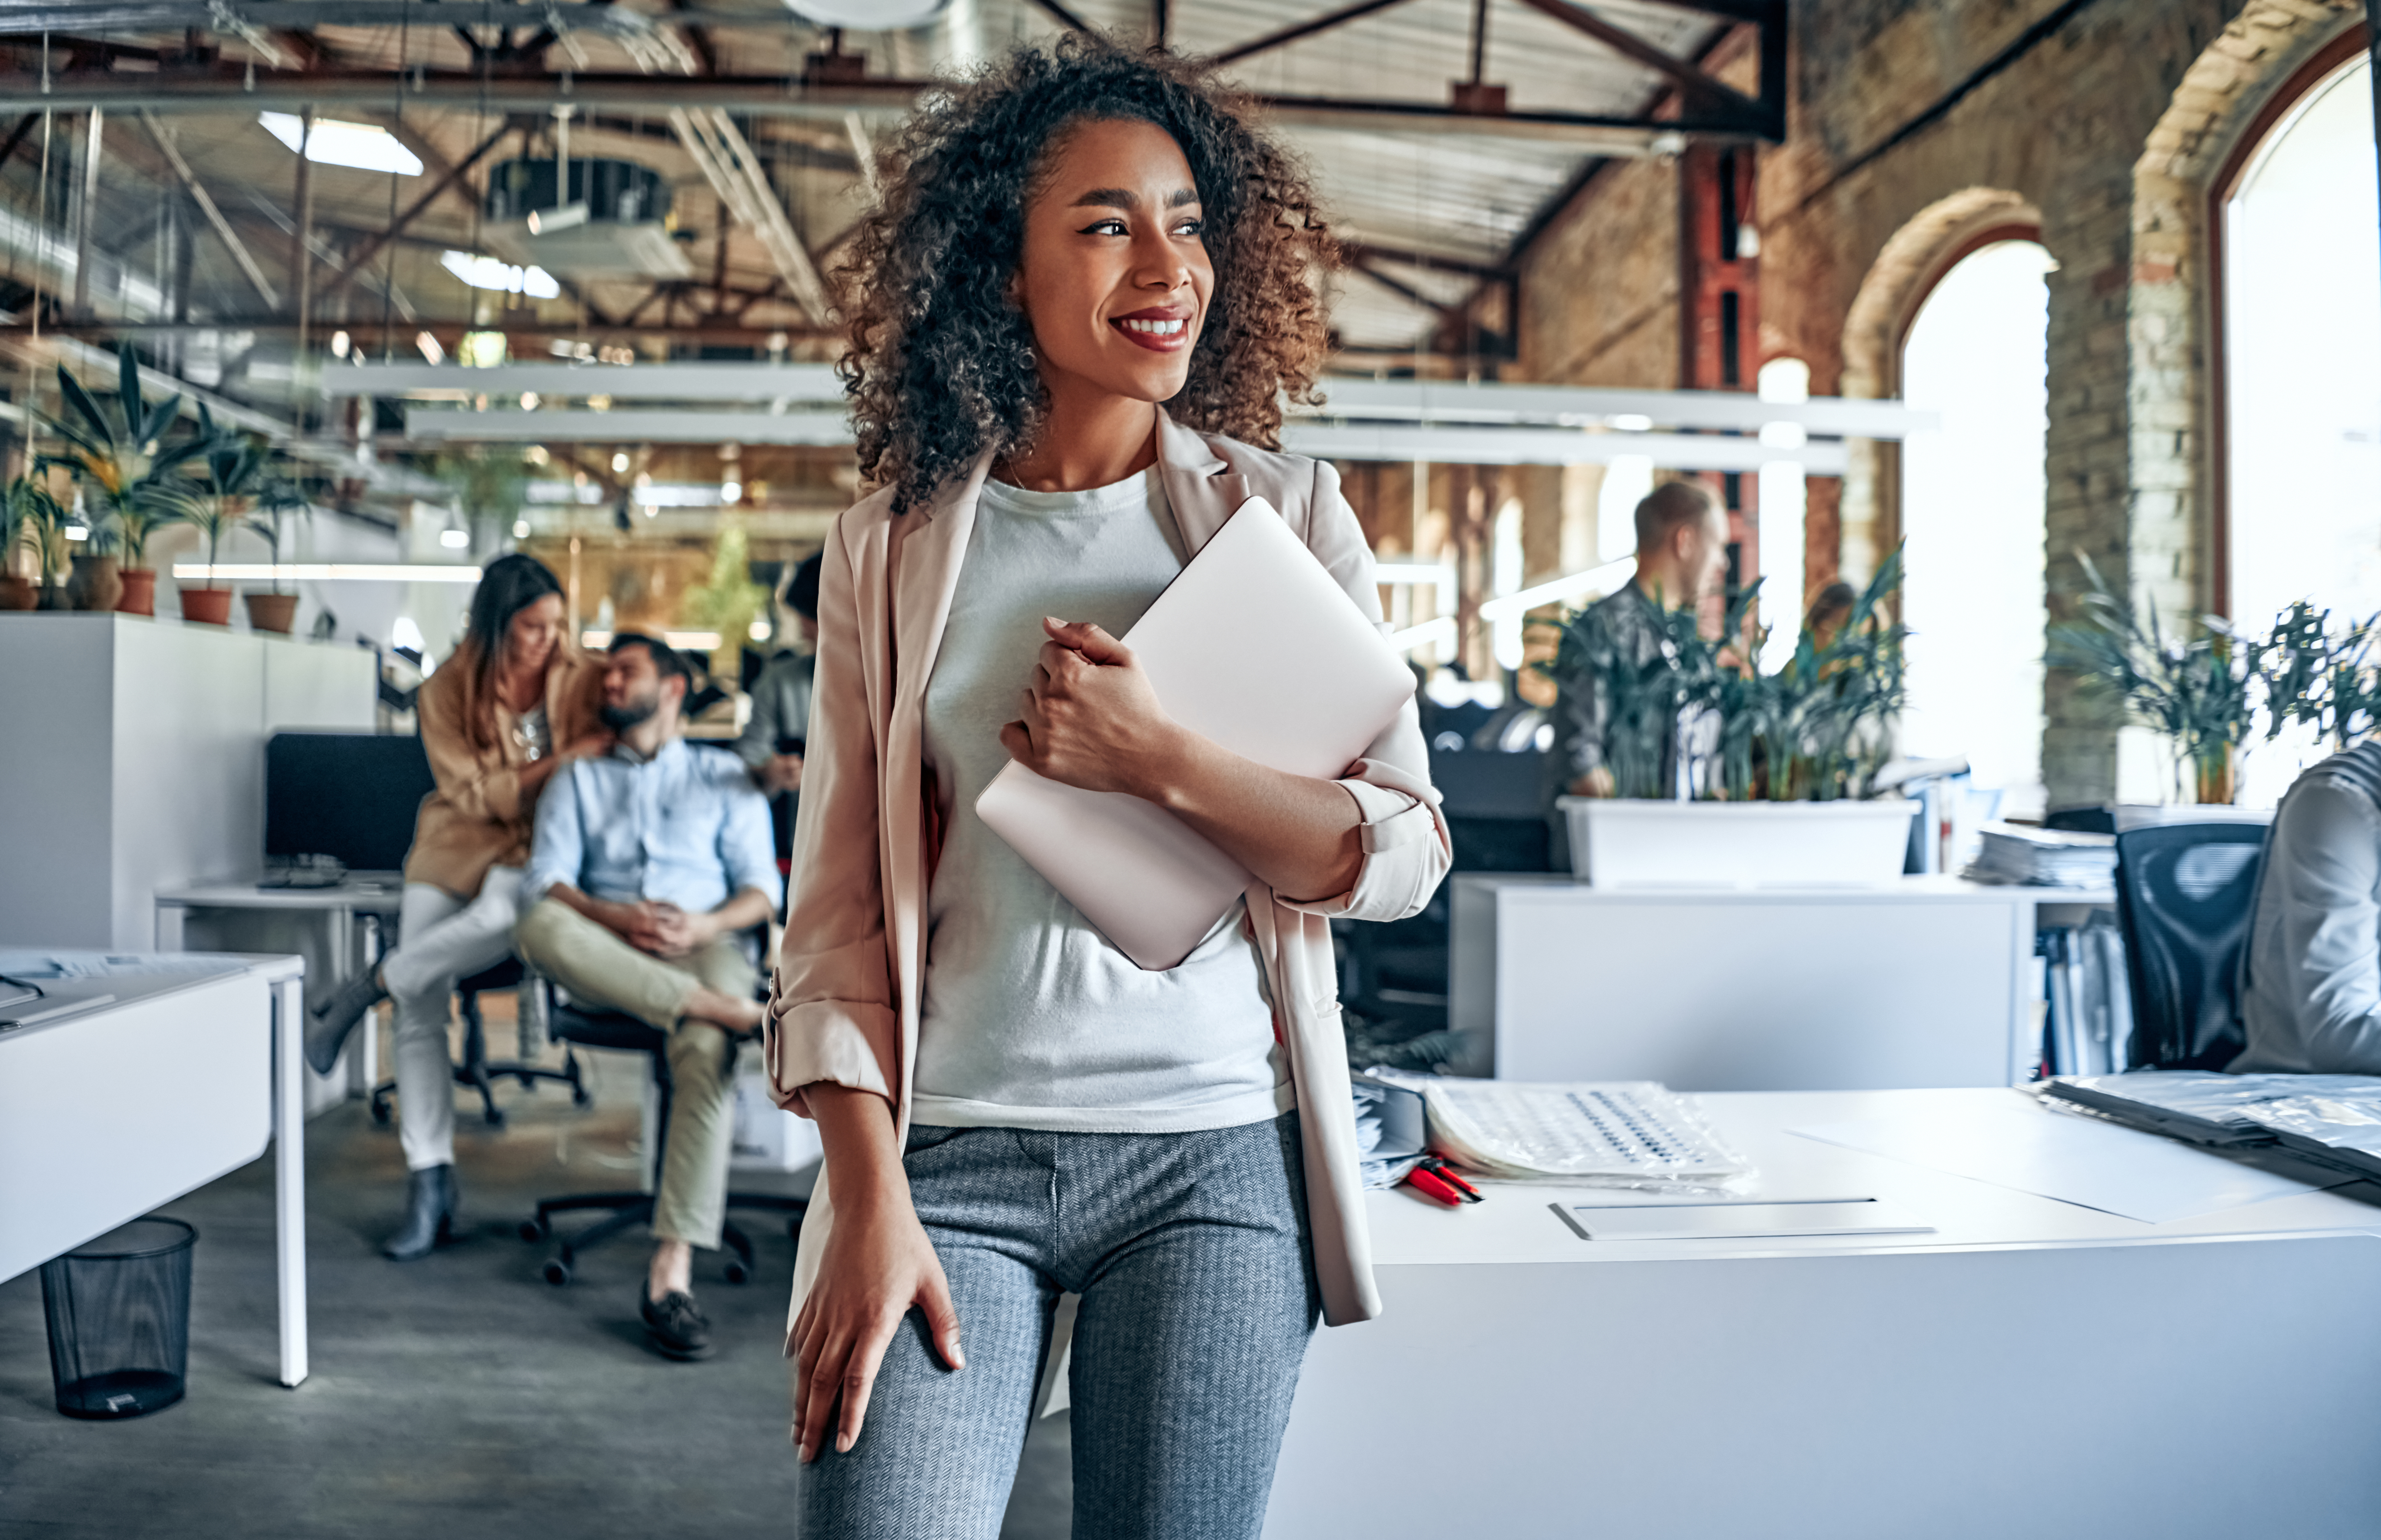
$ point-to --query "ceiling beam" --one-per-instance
(1306, 28)
(223, 88)
(372, 248)
(1062, 15)
(206, 203)
(1701, 92)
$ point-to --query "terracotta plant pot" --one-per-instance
(16, 593)
(207, 606)
(140, 596)
(95, 585)
(271, 611)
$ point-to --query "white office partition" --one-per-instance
(133, 751)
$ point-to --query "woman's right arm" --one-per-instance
(482, 786)
(877, 1264)
(831, 1039)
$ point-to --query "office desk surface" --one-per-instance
(114, 1109)
(380, 898)
(1515, 1224)
(2035, 1369)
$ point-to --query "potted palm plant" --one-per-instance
(2196, 688)
(17, 527)
(228, 480)
(1777, 766)
(116, 452)
(44, 521)
(272, 609)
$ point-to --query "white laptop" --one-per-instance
(1256, 646)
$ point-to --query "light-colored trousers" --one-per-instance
(598, 968)
(440, 939)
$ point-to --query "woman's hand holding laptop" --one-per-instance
(1091, 717)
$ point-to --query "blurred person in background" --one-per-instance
(772, 740)
(652, 861)
(514, 701)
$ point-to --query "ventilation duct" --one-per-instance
(613, 223)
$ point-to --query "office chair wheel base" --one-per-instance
(495, 1116)
(736, 1272)
(380, 1113)
(556, 1271)
(582, 1096)
(534, 1229)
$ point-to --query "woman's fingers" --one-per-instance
(942, 1319)
(860, 1379)
(819, 1388)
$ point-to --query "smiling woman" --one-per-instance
(1076, 318)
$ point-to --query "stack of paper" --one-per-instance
(2045, 857)
(2332, 1120)
(1613, 1134)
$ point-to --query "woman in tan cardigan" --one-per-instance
(1010, 1109)
(514, 701)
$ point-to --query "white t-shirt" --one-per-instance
(1031, 1019)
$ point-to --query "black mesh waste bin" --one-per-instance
(119, 1311)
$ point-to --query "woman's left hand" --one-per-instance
(1092, 719)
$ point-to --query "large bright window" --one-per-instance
(2302, 285)
(1971, 518)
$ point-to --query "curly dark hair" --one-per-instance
(939, 360)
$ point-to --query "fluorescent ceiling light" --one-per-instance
(486, 273)
(365, 146)
(329, 571)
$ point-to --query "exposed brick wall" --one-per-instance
(2106, 129)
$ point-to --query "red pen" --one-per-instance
(1446, 1173)
(1427, 1183)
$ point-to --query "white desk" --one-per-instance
(1931, 981)
(2034, 1368)
(374, 903)
(112, 1110)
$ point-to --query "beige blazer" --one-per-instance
(843, 1006)
(475, 818)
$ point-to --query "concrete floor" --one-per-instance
(452, 1398)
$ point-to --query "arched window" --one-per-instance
(2299, 264)
(1977, 352)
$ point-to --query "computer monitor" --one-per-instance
(349, 795)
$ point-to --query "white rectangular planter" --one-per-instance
(1617, 843)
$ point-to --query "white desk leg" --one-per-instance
(368, 1054)
(289, 1170)
(169, 927)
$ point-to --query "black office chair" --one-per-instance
(2186, 894)
(617, 1030)
(477, 1070)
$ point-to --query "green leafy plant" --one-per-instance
(233, 477)
(729, 601)
(2196, 689)
(1814, 730)
(2323, 678)
(115, 452)
(487, 483)
(38, 517)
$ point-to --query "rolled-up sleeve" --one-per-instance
(557, 851)
(1407, 850)
(832, 1016)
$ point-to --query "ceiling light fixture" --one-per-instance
(486, 273)
(364, 146)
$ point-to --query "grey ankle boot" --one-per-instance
(326, 1034)
(430, 1197)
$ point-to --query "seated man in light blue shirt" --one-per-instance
(647, 866)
